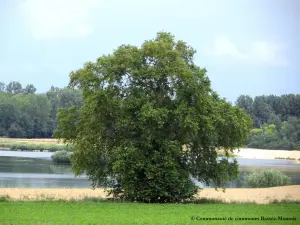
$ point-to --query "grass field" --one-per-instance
(135, 213)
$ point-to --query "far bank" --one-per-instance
(53, 145)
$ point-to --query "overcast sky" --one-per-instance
(247, 46)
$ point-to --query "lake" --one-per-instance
(36, 170)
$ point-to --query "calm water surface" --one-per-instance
(36, 170)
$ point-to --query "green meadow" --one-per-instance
(136, 213)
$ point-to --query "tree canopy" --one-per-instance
(276, 120)
(150, 122)
(24, 114)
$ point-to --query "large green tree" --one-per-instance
(150, 122)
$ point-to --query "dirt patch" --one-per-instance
(258, 195)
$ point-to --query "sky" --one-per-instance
(248, 47)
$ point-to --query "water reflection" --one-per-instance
(13, 182)
(37, 173)
(31, 165)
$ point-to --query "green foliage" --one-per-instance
(29, 89)
(268, 137)
(285, 201)
(24, 114)
(61, 156)
(267, 178)
(268, 129)
(276, 120)
(2, 87)
(141, 105)
(246, 103)
(14, 87)
(4, 198)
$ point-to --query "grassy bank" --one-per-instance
(51, 145)
(133, 213)
(32, 140)
(33, 147)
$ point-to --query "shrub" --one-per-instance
(62, 156)
(267, 178)
(4, 198)
(285, 201)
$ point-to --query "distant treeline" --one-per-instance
(25, 114)
(276, 121)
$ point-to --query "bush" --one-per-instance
(4, 198)
(61, 156)
(267, 178)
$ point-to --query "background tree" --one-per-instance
(63, 98)
(29, 89)
(14, 87)
(141, 106)
(8, 116)
(279, 112)
(2, 87)
(245, 102)
(30, 115)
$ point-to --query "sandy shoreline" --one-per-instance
(251, 153)
(258, 195)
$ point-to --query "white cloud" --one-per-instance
(267, 53)
(58, 18)
(223, 47)
(259, 52)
